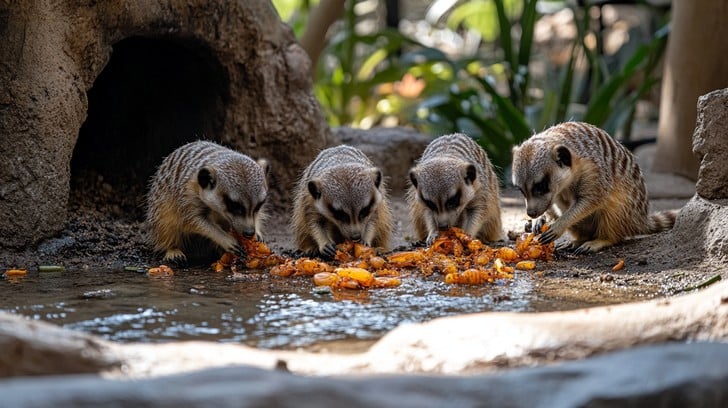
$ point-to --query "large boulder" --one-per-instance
(711, 145)
(114, 86)
(702, 226)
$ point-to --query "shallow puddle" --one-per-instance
(255, 309)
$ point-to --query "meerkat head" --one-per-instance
(348, 196)
(235, 192)
(445, 187)
(541, 171)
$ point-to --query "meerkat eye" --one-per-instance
(428, 203)
(234, 207)
(453, 202)
(339, 215)
(365, 212)
(542, 187)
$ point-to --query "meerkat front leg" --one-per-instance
(432, 230)
(326, 246)
(581, 209)
(223, 239)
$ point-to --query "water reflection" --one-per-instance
(258, 310)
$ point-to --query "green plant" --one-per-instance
(365, 79)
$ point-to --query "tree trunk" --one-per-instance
(695, 64)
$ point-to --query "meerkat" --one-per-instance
(208, 190)
(453, 185)
(340, 196)
(587, 183)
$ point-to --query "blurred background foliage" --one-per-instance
(497, 70)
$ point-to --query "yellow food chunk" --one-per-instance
(507, 254)
(405, 259)
(527, 265)
(500, 267)
(386, 282)
(362, 276)
(325, 279)
(377, 262)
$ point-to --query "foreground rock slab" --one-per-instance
(466, 344)
(694, 375)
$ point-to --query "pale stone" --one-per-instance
(710, 142)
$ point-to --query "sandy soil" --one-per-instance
(105, 230)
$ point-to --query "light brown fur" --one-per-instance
(587, 184)
(454, 185)
(341, 195)
(205, 190)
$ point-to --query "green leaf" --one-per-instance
(478, 15)
(504, 26)
(512, 116)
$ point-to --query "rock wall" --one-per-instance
(710, 143)
(703, 221)
(52, 54)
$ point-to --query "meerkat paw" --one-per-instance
(259, 238)
(234, 247)
(567, 246)
(328, 251)
(538, 224)
(431, 238)
(175, 257)
(550, 235)
(592, 246)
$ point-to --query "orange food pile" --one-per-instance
(358, 267)
(460, 258)
(258, 256)
(465, 260)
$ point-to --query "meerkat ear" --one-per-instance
(206, 178)
(377, 178)
(470, 173)
(562, 156)
(413, 177)
(265, 165)
(315, 189)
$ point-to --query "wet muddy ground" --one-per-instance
(105, 233)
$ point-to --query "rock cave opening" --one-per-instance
(154, 95)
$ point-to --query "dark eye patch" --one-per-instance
(429, 204)
(339, 215)
(365, 211)
(453, 202)
(542, 187)
(234, 207)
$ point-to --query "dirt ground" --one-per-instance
(105, 230)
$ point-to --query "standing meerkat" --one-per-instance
(586, 183)
(341, 195)
(204, 189)
(454, 185)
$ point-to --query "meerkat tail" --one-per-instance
(661, 221)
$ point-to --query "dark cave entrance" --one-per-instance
(154, 95)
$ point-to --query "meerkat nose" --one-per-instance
(249, 232)
(355, 236)
(532, 213)
(443, 226)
